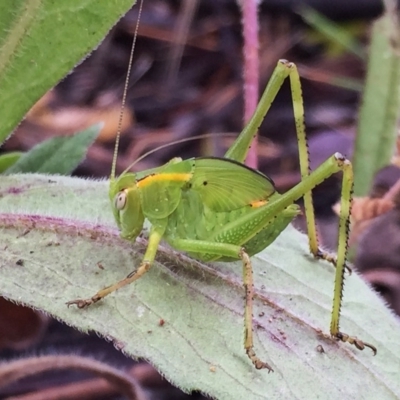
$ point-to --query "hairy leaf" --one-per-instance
(59, 243)
(40, 42)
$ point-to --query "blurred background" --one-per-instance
(187, 80)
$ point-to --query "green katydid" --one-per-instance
(218, 209)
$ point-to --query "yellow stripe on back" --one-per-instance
(160, 177)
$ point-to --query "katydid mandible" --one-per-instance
(218, 209)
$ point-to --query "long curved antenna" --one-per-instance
(184, 140)
(128, 74)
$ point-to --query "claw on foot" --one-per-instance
(331, 259)
(348, 269)
(257, 362)
(262, 365)
(360, 345)
(81, 303)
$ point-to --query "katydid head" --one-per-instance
(126, 205)
(123, 192)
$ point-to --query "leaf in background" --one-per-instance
(59, 243)
(9, 159)
(380, 111)
(58, 155)
(334, 32)
(40, 42)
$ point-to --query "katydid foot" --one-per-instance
(323, 255)
(360, 345)
(82, 303)
(257, 362)
(133, 276)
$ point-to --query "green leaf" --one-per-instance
(380, 110)
(9, 159)
(59, 243)
(40, 42)
(332, 31)
(58, 155)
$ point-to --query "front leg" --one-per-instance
(149, 256)
(133, 276)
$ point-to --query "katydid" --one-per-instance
(218, 209)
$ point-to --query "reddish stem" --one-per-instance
(251, 68)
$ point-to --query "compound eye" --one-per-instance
(120, 200)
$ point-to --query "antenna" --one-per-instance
(184, 140)
(123, 103)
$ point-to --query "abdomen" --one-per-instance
(192, 220)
